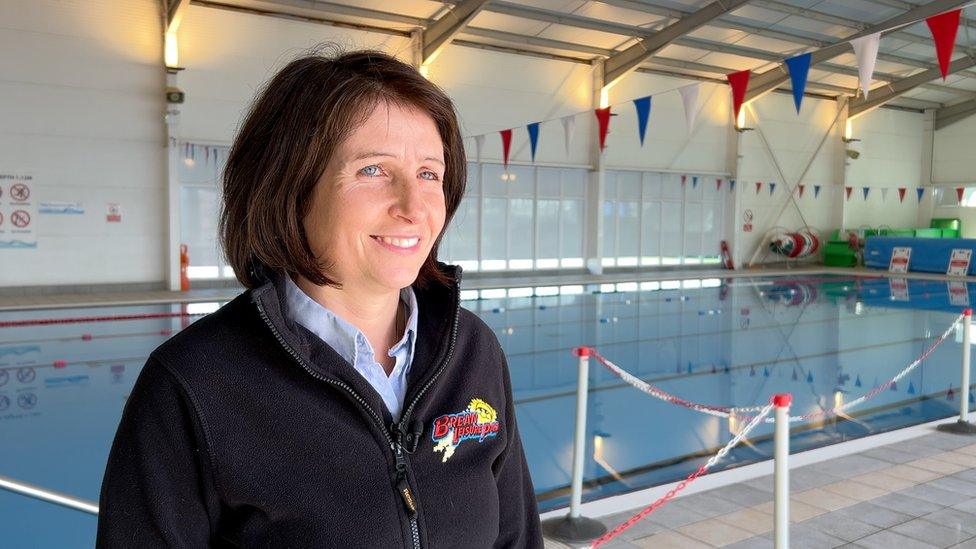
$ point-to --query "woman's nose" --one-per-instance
(410, 201)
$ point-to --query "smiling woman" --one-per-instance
(347, 382)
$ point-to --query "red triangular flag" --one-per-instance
(959, 191)
(603, 117)
(683, 179)
(506, 145)
(901, 194)
(801, 187)
(740, 83)
(944, 27)
(848, 191)
(758, 186)
(718, 184)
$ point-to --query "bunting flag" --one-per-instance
(684, 178)
(731, 185)
(816, 191)
(866, 51)
(795, 377)
(798, 66)
(479, 144)
(569, 125)
(643, 106)
(506, 145)
(919, 191)
(689, 97)
(865, 190)
(937, 196)
(801, 188)
(894, 385)
(809, 377)
(848, 191)
(772, 187)
(718, 184)
(857, 381)
(533, 137)
(901, 194)
(884, 194)
(911, 388)
(944, 27)
(603, 117)
(694, 182)
(959, 193)
(758, 186)
(739, 81)
(765, 372)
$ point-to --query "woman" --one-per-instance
(273, 422)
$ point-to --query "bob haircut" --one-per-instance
(292, 130)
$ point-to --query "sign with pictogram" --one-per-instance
(17, 211)
(113, 213)
(900, 256)
(959, 262)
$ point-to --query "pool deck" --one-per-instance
(12, 299)
(916, 493)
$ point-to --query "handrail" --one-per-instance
(49, 496)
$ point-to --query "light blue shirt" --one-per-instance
(353, 346)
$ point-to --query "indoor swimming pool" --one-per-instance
(722, 342)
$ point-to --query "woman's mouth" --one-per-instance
(400, 245)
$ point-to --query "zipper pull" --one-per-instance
(404, 488)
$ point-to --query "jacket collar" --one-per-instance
(438, 307)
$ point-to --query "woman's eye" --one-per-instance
(433, 176)
(369, 170)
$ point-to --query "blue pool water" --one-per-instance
(727, 343)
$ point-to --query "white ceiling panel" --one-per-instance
(508, 23)
(858, 10)
(716, 34)
(765, 43)
(414, 8)
(606, 12)
(594, 38)
(758, 15)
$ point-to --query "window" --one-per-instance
(198, 171)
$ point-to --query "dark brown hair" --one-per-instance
(293, 128)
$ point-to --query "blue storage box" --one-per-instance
(929, 255)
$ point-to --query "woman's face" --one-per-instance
(379, 204)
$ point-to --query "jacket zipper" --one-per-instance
(402, 465)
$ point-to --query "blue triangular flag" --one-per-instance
(772, 187)
(689, 367)
(865, 190)
(727, 369)
(799, 67)
(731, 185)
(809, 377)
(911, 388)
(765, 372)
(919, 192)
(533, 137)
(794, 375)
(694, 181)
(816, 191)
(752, 371)
(643, 106)
(894, 385)
(857, 381)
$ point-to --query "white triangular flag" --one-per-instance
(866, 50)
(479, 143)
(689, 96)
(569, 124)
(884, 194)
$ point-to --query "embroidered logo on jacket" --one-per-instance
(478, 422)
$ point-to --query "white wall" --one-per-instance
(81, 109)
(83, 114)
(954, 165)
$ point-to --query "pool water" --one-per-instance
(735, 342)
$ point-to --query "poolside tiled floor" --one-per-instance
(917, 493)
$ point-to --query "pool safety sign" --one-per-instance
(959, 262)
(900, 256)
(18, 211)
(958, 293)
(113, 212)
(899, 289)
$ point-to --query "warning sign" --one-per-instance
(114, 214)
(958, 293)
(899, 289)
(17, 211)
(900, 257)
(959, 262)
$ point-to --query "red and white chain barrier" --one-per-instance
(691, 478)
(740, 411)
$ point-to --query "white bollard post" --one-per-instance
(781, 454)
(574, 528)
(967, 322)
(962, 426)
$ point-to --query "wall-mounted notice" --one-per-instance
(113, 213)
(899, 259)
(17, 211)
(61, 208)
(959, 262)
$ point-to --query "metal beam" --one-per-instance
(954, 113)
(897, 88)
(175, 9)
(772, 78)
(622, 63)
(439, 34)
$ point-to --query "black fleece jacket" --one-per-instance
(247, 430)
